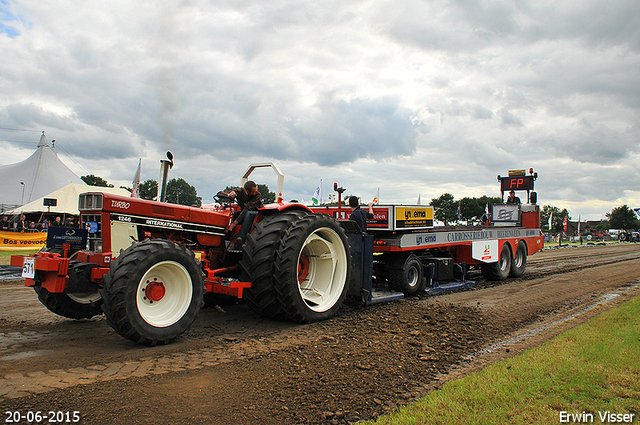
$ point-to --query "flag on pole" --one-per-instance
(458, 210)
(550, 220)
(317, 195)
(418, 199)
(376, 198)
(135, 184)
(486, 210)
(564, 223)
(579, 216)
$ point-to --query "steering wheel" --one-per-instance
(225, 201)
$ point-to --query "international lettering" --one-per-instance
(164, 224)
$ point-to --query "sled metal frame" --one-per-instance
(436, 287)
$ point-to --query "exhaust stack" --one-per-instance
(165, 165)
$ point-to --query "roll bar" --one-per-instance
(280, 184)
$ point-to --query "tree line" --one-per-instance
(466, 210)
(621, 217)
(473, 211)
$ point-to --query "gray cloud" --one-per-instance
(34, 116)
(343, 131)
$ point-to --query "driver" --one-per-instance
(513, 199)
(250, 201)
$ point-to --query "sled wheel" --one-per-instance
(519, 263)
(499, 270)
(153, 292)
(405, 274)
(258, 257)
(312, 268)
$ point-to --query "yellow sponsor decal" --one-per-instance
(15, 241)
(414, 217)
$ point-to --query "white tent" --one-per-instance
(40, 174)
(67, 199)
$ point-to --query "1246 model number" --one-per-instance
(37, 417)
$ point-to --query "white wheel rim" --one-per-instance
(84, 297)
(412, 276)
(504, 261)
(519, 258)
(177, 296)
(323, 269)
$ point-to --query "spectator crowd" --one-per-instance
(20, 223)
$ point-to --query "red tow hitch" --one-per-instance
(303, 268)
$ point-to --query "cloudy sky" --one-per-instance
(411, 97)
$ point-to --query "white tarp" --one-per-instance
(42, 173)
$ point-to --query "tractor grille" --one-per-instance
(90, 201)
(91, 222)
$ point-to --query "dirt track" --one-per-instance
(234, 367)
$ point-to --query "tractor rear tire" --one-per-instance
(519, 263)
(258, 257)
(153, 292)
(312, 268)
(405, 274)
(71, 306)
(499, 270)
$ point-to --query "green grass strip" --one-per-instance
(588, 371)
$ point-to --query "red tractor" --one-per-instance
(147, 264)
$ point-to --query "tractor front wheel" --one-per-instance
(71, 305)
(153, 292)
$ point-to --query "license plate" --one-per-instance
(28, 270)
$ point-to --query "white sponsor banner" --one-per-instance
(505, 213)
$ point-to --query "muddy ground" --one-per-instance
(233, 367)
